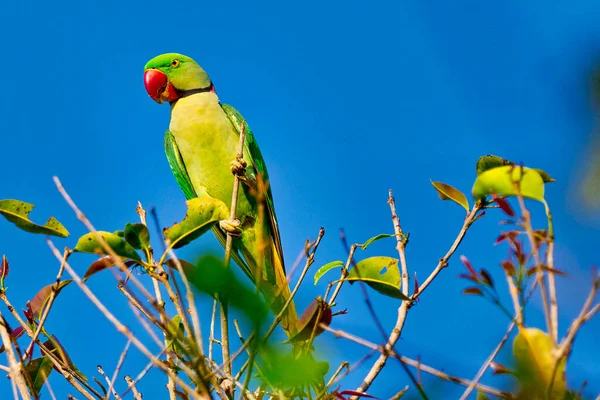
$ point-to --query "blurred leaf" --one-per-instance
(533, 270)
(447, 192)
(473, 290)
(202, 214)
(210, 276)
(17, 212)
(186, 266)
(501, 181)
(41, 298)
(509, 267)
(488, 162)
(499, 369)
(472, 274)
(88, 244)
(39, 369)
(482, 396)
(504, 205)
(486, 277)
(381, 273)
(102, 264)
(326, 268)
(318, 312)
(511, 235)
(137, 236)
(376, 238)
(286, 371)
(532, 349)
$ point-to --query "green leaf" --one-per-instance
(17, 212)
(488, 162)
(317, 313)
(39, 369)
(201, 215)
(545, 176)
(447, 192)
(41, 298)
(56, 348)
(89, 244)
(381, 273)
(376, 238)
(326, 268)
(501, 181)
(532, 349)
(286, 371)
(137, 236)
(212, 277)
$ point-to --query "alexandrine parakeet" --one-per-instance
(201, 144)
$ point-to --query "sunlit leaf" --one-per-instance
(17, 212)
(102, 264)
(39, 369)
(381, 273)
(137, 236)
(326, 268)
(470, 268)
(376, 238)
(532, 349)
(447, 192)
(317, 313)
(501, 181)
(89, 244)
(41, 298)
(202, 214)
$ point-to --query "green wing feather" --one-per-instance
(183, 179)
(258, 166)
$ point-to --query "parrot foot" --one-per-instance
(231, 226)
(238, 167)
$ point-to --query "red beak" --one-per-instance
(155, 82)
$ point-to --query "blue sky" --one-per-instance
(346, 102)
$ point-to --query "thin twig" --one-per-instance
(414, 363)
(487, 362)
(118, 368)
(50, 302)
(108, 381)
(124, 330)
(136, 395)
(228, 250)
(16, 367)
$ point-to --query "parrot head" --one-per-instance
(169, 76)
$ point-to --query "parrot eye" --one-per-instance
(175, 63)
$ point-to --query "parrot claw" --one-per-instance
(231, 226)
(238, 167)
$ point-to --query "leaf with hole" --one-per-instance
(447, 192)
(503, 181)
(326, 268)
(202, 214)
(89, 243)
(532, 349)
(17, 212)
(381, 273)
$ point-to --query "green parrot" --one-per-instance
(201, 146)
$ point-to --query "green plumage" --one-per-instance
(200, 145)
